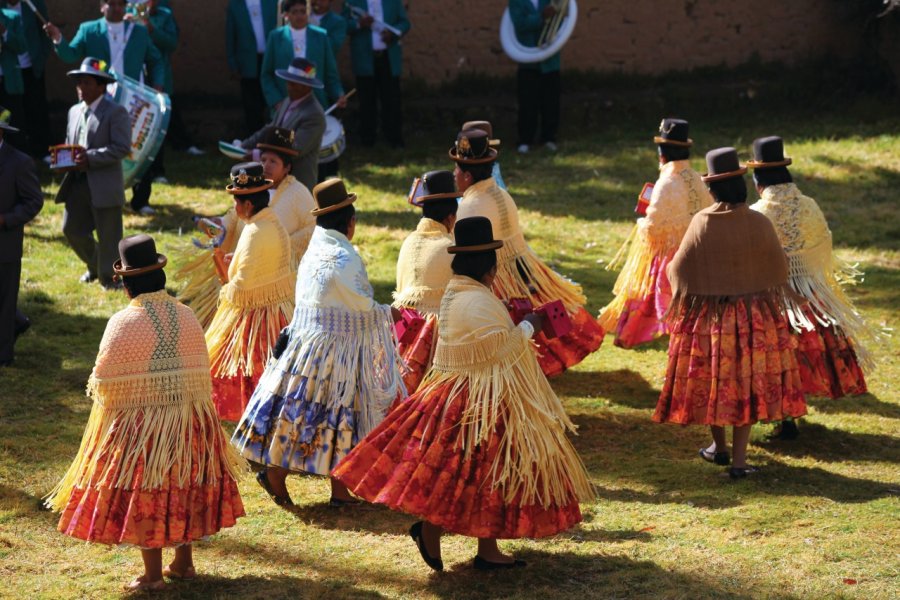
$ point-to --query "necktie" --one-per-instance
(83, 128)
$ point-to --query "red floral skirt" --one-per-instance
(828, 363)
(736, 368)
(643, 319)
(164, 517)
(414, 462)
(231, 395)
(558, 354)
(418, 354)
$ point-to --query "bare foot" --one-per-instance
(141, 584)
(174, 571)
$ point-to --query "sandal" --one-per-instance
(338, 503)
(145, 586)
(719, 458)
(262, 479)
(189, 573)
(486, 565)
(415, 532)
(742, 472)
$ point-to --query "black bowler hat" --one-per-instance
(278, 139)
(138, 256)
(486, 127)
(474, 234)
(768, 152)
(722, 163)
(473, 147)
(301, 71)
(437, 185)
(248, 178)
(673, 132)
(331, 195)
(95, 67)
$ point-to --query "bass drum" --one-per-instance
(333, 140)
(150, 112)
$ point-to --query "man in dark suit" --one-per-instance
(20, 200)
(301, 113)
(94, 191)
(247, 26)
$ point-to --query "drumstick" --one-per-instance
(344, 97)
(35, 11)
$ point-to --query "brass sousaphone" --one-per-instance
(554, 35)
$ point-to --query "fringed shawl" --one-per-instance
(491, 362)
(520, 272)
(258, 298)
(151, 373)
(815, 273)
(423, 268)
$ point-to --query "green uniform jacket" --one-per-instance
(240, 43)
(37, 43)
(165, 38)
(91, 40)
(529, 23)
(13, 45)
(336, 27)
(361, 55)
(280, 53)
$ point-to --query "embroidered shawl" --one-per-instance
(423, 267)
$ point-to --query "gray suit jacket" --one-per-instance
(308, 123)
(108, 142)
(21, 200)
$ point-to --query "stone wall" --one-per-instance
(453, 38)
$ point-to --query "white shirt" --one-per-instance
(24, 58)
(376, 11)
(315, 19)
(298, 36)
(117, 35)
(254, 7)
(83, 128)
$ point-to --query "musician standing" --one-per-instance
(12, 42)
(21, 200)
(94, 192)
(247, 24)
(301, 113)
(537, 84)
(31, 65)
(322, 16)
(377, 64)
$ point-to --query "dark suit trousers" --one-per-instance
(140, 193)
(538, 95)
(14, 104)
(255, 109)
(381, 91)
(80, 220)
(9, 292)
(36, 122)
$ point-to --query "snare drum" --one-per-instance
(333, 141)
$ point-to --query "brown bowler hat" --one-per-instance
(278, 139)
(138, 256)
(473, 147)
(437, 185)
(474, 234)
(331, 195)
(486, 127)
(674, 132)
(722, 164)
(768, 152)
(248, 178)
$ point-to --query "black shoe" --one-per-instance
(486, 565)
(87, 277)
(338, 503)
(22, 327)
(719, 458)
(788, 430)
(6, 363)
(742, 472)
(415, 532)
(262, 479)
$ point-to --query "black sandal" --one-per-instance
(720, 458)
(262, 479)
(486, 565)
(338, 503)
(415, 532)
(742, 472)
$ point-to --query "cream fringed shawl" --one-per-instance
(423, 267)
(151, 374)
(256, 301)
(520, 272)
(491, 362)
(814, 271)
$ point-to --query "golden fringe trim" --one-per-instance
(166, 388)
(233, 335)
(158, 436)
(423, 299)
(201, 284)
(521, 274)
(535, 458)
(260, 295)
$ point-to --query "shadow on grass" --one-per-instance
(836, 445)
(374, 518)
(867, 404)
(629, 387)
(269, 586)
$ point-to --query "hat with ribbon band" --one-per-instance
(138, 256)
(474, 234)
(248, 178)
(301, 71)
(768, 153)
(95, 67)
(331, 195)
(673, 132)
(473, 147)
(278, 139)
(722, 163)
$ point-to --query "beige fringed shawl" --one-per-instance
(260, 286)
(489, 359)
(423, 268)
(520, 272)
(151, 373)
(816, 273)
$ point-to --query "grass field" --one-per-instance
(821, 521)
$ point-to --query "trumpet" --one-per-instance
(551, 25)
